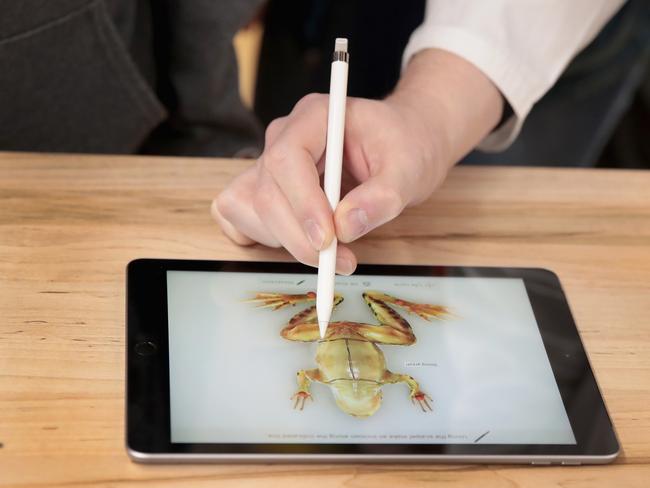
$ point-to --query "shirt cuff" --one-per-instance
(515, 82)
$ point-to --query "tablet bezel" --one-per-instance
(148, 427)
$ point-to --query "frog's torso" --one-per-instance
(350, 359)
(353, 368)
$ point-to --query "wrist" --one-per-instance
(449, 101)
(425, 124)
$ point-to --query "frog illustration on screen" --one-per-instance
(348, 359)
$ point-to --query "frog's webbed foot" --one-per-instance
(422, 400)
(300, 398)
(277, 301)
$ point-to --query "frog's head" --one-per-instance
(359, 398)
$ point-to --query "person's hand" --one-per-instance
(396, 152)
(388, 164)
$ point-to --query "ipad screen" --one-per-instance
(432, 360)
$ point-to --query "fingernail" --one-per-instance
(357, 223)
(344, 266)
(315, 234)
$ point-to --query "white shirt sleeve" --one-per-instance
(523, 46)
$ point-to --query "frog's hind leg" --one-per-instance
(415, 393)
(303, 326)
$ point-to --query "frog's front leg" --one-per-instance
(415, 393)
(305, 377)
(303, 326)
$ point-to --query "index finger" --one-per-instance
(291, 160)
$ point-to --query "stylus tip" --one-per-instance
(322, 326)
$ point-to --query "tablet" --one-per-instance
(419, 364)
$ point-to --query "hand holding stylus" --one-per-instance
(396, 152)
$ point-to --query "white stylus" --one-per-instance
(332, 183)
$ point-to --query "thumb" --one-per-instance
(376, 201)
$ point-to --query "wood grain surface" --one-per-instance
(70, 224)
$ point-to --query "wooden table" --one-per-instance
(69, 225)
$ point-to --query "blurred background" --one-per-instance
(71, 70)
(603, 96)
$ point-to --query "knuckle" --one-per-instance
(227, 203)
(273, 130)
(393, 201)
(262, 201)
(275, 157)
(314, 104)
(310, 99)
